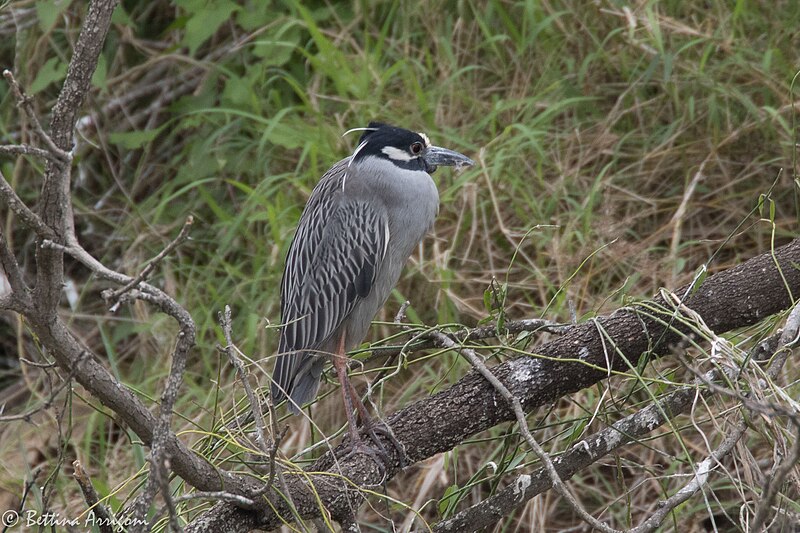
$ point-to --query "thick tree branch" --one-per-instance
(557, 483)
(584, 355)
(55, 200)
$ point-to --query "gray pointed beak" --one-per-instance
(436, 156)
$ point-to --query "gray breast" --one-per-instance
(411, 202)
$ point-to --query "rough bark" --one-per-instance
(55, 203)
(734, 298)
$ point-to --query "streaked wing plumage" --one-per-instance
(331, 265)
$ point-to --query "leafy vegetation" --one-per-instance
(620, 147)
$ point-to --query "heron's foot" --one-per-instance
(378, 434)
(373, 430)
(358, 446)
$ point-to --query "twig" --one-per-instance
(37, 365)
(28, 217)
(26, 416)
(775, 481)
(788, 336)
(242, 374)
(8, 262)
(463, 335)
(162, 472)
(697, 482)
(25, 149)
(47, 490)
(92, 499)
(162, 432)
(186, 341)
(271, 451)
(26, 489)
(110, 295)
(57, 155)
(217, 495)
(144, 290)
(789, 339)
(400, 317)
(97, 379)
(446, 342)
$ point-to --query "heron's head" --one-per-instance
(407, 149)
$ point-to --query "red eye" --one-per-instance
(416, 148)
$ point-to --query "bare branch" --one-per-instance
(731, 438)
(145, 291)
(182, 236)
(243, 375)
(161, 472)
(69, 353)
(55, 200)
(256, 412)
(43, 406)
(19, 297)
(53, 152)
(92, 499)
(789, 339)
(18, 207)
(24, 149)
(697, 482)
(159, 452)
(217, 495)
(775, 481)
(97, 380)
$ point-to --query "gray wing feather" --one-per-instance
(331, 266)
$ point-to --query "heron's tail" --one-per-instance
(298, 376)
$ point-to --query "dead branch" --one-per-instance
(55, 227)
(92, 499)
(115, 295)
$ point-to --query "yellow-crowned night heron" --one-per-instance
(359, 227)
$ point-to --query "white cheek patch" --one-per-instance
(397, 154)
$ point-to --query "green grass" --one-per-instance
(589, 124)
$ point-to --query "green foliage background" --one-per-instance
(621, 145)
